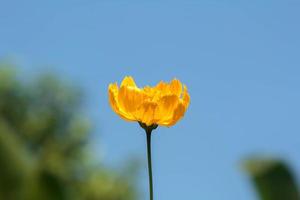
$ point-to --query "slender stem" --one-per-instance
(148, 133)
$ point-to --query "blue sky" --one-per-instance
(239, 59)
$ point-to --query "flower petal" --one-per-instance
(177, 115)
(166, 106)
(162, 87)
(149, 91)
(113, 93)
(180, 110)
(176, 87)
(145, 113)
(130, 98)
(185, 97)
(128, 81)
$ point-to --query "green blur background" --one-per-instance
(44, 151)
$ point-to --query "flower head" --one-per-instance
(163, 104)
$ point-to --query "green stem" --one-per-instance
(148, 133)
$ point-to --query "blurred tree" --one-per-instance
(273, 180)
(43, 145)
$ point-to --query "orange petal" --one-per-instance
(185, 97)
(130, 98)
(161, 87)
(112, 93)
(176, 87)
(178, 114)
(128, 81)
(166, 106)
(145, 113)
(149, 91)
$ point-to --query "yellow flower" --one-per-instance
(163, 104)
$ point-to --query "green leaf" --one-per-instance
(272, 179)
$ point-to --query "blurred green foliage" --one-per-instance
(43, 145)
(272, 179)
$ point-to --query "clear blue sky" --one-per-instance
(239, 59)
